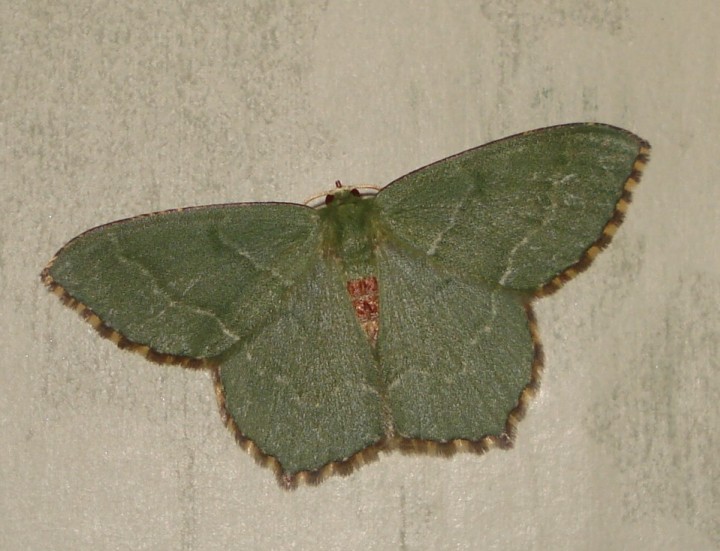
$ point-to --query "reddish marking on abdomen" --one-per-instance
(366, 302)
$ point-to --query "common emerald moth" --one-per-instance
(378, 320)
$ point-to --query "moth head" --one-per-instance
(342, 193)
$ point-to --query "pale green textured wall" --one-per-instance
(109, 111)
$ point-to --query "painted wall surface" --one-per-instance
(108, 111)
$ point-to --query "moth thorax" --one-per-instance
(366, 301)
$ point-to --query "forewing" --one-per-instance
(520, 210)
(189, 282)
(303, 387)
(456, 356)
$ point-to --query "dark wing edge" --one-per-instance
(641, 143)
(107, 332)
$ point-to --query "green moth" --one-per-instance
(392, 319)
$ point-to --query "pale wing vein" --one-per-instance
(533, 232)
(169, 296)
(259, 266)
(452, 222)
